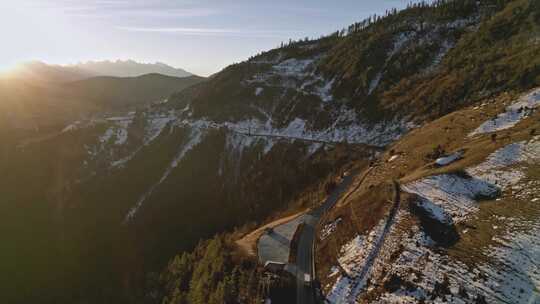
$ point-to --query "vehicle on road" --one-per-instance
(274, 266)
(307, 279)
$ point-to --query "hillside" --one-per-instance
(117, 92)
(119, 195)
(38, 71)
(35, 107)
(129, 68)
(465, 227)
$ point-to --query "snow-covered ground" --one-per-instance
(329, 228)
(450, 198)
(446, 160)
(512, 115)
(509, 272)
(155, 125)
(363, 258)
(118, 131)
(503, 166)
(506, 269)
(293, 67)
(113, 148)
(294, 74)
(347, 126)
(111, 144)
(400, 41)
(258, 91)
(115, 135)
(314, 147)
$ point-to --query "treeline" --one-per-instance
(216, 271)
(419, 12)
(435, 10)
(423, 11)
(211, 274)
(499, 56)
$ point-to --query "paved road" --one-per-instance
(304, 257)
(254, 133)
(275, 246)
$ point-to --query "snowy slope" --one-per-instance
(514, 113)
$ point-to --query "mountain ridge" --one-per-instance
(129, 68)
(41, 71)
(209, 160)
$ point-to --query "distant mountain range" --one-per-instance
(129, 68)
(40, 71)
(49, 96)
(120, 92)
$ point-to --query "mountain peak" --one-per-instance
(40, 71)
(129, 68)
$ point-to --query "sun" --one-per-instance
(7, 68)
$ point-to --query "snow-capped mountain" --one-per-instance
(128, 68)
(40, 71)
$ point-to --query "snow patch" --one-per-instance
(375, 82)
(325, 91)
(328, 229)
(347, 127)
(451, 198)
(314, 147)
(500, 168)
(118, 131)
(510, 274)
(363, 257)
(155, 126)
(446, 160)
(292, 67)
(393, 157)
(71, 127)
(194, 139)
(513, 114)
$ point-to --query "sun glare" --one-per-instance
(7, 69)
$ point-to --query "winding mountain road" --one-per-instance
(305, 263)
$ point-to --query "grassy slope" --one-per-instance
(502, 54)
(496, 53)
(413, 163)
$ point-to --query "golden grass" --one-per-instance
(368, 202)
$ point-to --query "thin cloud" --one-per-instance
(147, 13)
(188, 31)
(123, 8)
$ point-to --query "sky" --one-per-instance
(200, 36)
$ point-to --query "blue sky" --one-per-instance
(200, 36)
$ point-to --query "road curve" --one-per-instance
(304, 255)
